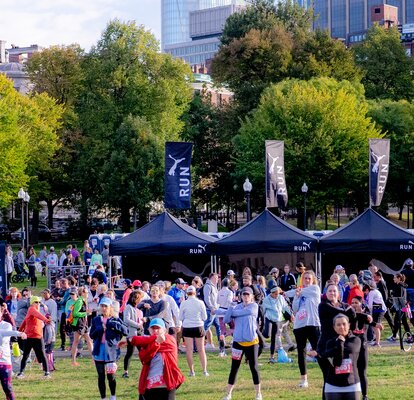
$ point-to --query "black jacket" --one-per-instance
(287, 282)
(336, 352)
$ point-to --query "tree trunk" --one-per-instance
(125, 219)
(84, 213)
(34, 235)
(50, 210)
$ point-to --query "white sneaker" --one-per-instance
(222, 354)
(259, 396)
(205, 373)
(303, 384)
(210, 346)
(112, 398)
(227, 397)
(192, 373)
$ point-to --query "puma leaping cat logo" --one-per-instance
(272, 166)
(171, 171)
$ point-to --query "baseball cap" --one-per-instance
(180, 281)
(191, 289)
(34, 299)
(73, 291)
(339, 268)
(273, 270)
(127, 281)
(160, 284)
(105, 301)
(157, 322)
(52, 248)
(247, 290)
(137, 283)
(230, 272)
(274, 289)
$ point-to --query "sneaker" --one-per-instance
(392, 339)
(272, 360)
(227, 397)
(303, 384)
(222, 354)
(365, 397)
(62, 348)
(192, 373)
(210, 346)
(125, 375)
(259, 396)
(205, 373)
(47, 375)
(20, 375)
(375, 344)
(112, 397)
(409, 340)
(292, 348)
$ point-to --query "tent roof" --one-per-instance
(266, 234)
(164, 235)
(369, 232)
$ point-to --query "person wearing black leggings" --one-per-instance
(245, 340)
(306, 325)
(342, 379)
(106, 332)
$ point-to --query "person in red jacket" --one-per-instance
(160, 376)
(32, 326)
(355, 289)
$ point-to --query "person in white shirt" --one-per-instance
(52, 259)
(9, 264)
(62, 257)
(225, 301)
(6, 331)
(193, 314)
(51, 306)
(171, 313)
(377, 308)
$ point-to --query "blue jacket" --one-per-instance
(177, 294)
(115, 329)
(245, 321)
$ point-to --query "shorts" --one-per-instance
(197, 332)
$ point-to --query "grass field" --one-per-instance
(390, 375)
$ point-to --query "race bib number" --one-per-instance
(345, 367)
(301, 315)
(236, 354)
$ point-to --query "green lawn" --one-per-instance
(390, 377)
(389, 373)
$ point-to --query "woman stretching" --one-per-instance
(306, 325)
(245, 340)
(342, 380)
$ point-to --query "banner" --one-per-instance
(177, 175)
(379, 161)
(276, 191)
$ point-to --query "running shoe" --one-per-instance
(192, 373)
(392, 339)
(125, 375)
(47, 375)
(20, 375)
(259, 396)
(272, 360)
(375, 344)
(222, 354)
(303, 384)
(205, 373)
(227, 397)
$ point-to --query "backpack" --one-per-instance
(69, 315)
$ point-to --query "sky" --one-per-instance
(57, 22)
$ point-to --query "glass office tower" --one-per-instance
(175, 20)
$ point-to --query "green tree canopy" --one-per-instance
(28, 138)
(126, 76)
(396, 120)
(325, 129)
(388, 72)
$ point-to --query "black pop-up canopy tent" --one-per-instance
(369, 232)
(266, 234)
(165, 235)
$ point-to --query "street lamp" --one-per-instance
(26, 200)
(304, 191)
(21, 196)
(235, 187)
(247, 187)
(408, 206)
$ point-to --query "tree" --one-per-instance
(28, 138)
(396, 120)
(387, 69)
(125, 76)
(325, 129)
(57, 71)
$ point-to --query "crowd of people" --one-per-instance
(333, 326)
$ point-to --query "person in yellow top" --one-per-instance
(245, 340)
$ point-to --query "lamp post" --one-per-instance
(21, 196)
(408, 206)
(235, 187)
(247, 187)
(304, 191)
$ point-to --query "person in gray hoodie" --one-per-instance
(306, 325)
(245, 340)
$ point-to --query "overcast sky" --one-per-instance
(51, 22)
